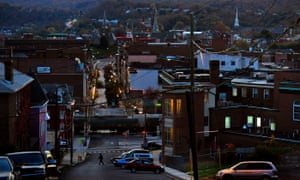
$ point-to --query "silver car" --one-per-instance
(262, 170)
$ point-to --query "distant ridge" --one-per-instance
(59, 4)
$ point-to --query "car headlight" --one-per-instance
(220, 173)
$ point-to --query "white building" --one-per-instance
(227, 62)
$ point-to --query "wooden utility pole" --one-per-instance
(191, 107)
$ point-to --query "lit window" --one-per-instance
(169, 107)
(227, 122)
(272, 126)
(250, 121)
(178, 106)
(234, 91)
(258, 122)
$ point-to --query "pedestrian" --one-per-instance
(101, 159)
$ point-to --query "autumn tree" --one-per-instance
(113, 89)
(221, 27)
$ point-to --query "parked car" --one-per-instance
(128, 154)
(143, 165)
(7, 170)
(261, 170)
(122, 162)
(151, 145)
(51, 168)
(32, 164)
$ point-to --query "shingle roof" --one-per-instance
(20, 81)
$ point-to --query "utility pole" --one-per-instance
(56, 124)
(191, 107)
(72, 136)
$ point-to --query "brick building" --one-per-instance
(14, 108)
(53, 61)
(64, 63)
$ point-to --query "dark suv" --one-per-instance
(32, 164)
(260, 170)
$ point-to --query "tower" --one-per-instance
(236, 20)
(104, 20)
(155, 21)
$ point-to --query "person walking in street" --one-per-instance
(101, 159)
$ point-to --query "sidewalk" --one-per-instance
(80, 145)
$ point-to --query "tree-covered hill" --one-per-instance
(172, 13)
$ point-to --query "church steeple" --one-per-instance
(236, 20)
(155, 21)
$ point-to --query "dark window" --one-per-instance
(241, 167)
(259, 166)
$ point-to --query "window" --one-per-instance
(178, 106)
(222, 97)
(244, 92)
(223, 63)
(255, 93)
(232, 63)
(266, 94)
(18, 103)
(234, 92)
(61, 114)
(169, 107)
(227, 122)
(169, 136)
(206, 122)
(205, 99)
(258, 122)
(296, 110)
(273, 126)
(241, 167)
(250, 121)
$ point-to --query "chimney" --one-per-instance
(214, 71)
(9, 71)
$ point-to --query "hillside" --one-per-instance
(57, 4)
(207, 14)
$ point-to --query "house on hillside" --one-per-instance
(15, 89)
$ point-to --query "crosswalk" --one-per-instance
(105, 151)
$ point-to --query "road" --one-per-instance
(112, 145)
(109, 146)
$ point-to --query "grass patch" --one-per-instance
(205, 169)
